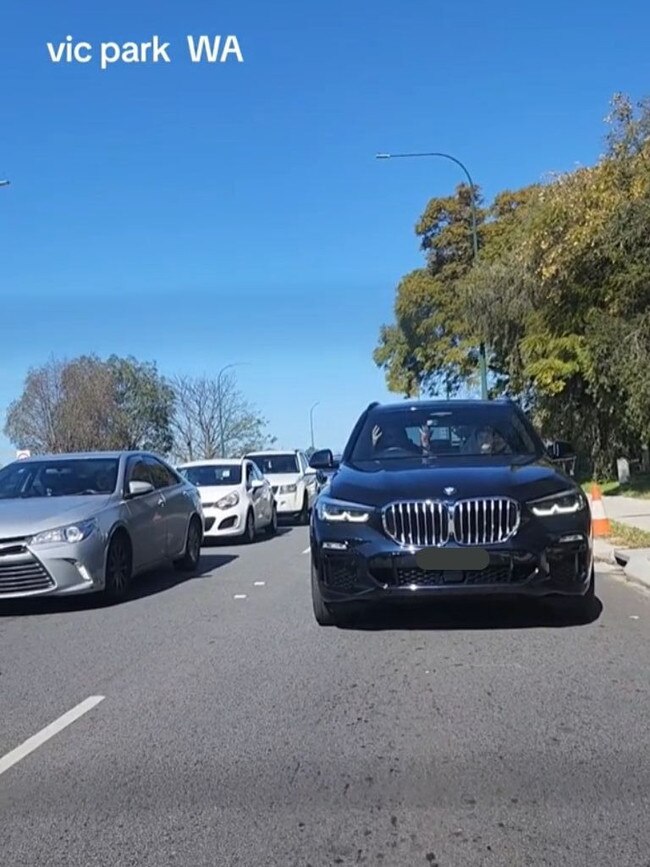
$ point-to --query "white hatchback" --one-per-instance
(295, 484)
(237, 500)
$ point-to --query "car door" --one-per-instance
(254, 493)
(311, 482)
(265, 495)
(145, 517)
(177, 506)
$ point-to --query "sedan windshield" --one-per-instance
(63, 477)
(276, 464)
(209, 475)
(466, 431)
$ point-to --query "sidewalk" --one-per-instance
(633, 512)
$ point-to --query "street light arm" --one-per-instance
(462, 166)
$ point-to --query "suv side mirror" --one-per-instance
(139, 489)
(560, 450)
(322, 460)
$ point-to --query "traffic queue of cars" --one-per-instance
(430, 499)
(91, 523)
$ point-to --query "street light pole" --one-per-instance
(463, 167)
(311, 423)
(4, 183)
(222, 439)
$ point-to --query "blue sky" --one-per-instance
(198, 215)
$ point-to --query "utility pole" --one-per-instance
(311, 423)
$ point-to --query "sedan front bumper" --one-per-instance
(52, 570)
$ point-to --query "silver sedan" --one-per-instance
(87, 523)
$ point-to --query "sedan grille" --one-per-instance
(20, 571)
(486, 521)
(427, 523)
(421, 524)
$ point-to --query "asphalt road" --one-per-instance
(234, 731)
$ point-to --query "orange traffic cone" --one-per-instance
(599, 520)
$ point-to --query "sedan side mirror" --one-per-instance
(322, 460)
(139, 489)
(256, 484)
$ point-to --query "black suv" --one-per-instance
(452, 498)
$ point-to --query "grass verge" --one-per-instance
(623, 536)
(639, 486)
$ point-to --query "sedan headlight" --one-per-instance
(72, 533)
(563, 503)
(228, 501)
(339, 511)
(288, 489)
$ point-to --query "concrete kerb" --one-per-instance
(635, 562)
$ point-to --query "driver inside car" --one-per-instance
(393, 437)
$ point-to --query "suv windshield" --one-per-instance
(276, 464)
(207, 476)
(59, 478)
(464, 431)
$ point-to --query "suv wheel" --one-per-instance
(303, 515)
(322, 613)
(581, 607)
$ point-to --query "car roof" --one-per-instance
(82, 456)
(212, 462)
(440, 404)
(271, 453)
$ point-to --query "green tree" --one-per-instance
(432, 346)
(560, 293)
(146, 404)
(85, 404)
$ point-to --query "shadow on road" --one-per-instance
(471, 614)
(147, 584)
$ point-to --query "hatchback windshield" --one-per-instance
(59, 478)
(430, 432)
(270, 464)
(206, 475)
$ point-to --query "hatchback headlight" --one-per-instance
(288, 489)
(228, 501)
(339, 511)
(72, 533)
(563, 503)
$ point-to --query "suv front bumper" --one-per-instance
(544, 558)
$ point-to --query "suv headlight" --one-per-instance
(339, 511)
(288, 489)
(72, 533)
(228, 501)
(563, 503)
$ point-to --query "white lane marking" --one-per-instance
(48, 732)
(259, 583)
(634, 616)
(307, 550)
(239, 596)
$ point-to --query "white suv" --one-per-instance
(294, 482)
